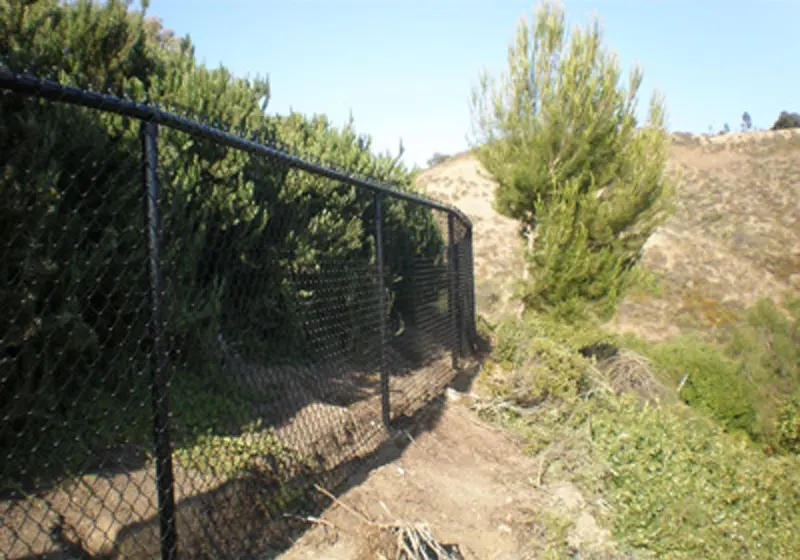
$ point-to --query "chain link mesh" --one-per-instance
(184, 392)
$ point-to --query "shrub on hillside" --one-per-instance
(745, 381)
(437, 158)
(560, 136)
(788, 429)
(767, 347)
(711, 382)
(787, 120)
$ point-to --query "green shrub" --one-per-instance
(788, 428)
(787, 120)
(680, 487)
(675, 483)
(768, 345)
(245, 245)
(711, 382)
(560, 136)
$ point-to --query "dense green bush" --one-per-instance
(788, 429)
(246, 239)
(745, 381)
(711, 382)
(559, 134)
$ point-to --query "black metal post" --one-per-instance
(452, 291)
(385, 404)
(461, 295)
(473, 328)
(164, 475)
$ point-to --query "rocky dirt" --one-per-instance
(468, 484)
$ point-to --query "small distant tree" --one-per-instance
(559, 134)
(436, 159)
(726, 129)
(787, 120)
(747, 122)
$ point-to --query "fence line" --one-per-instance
(289, 322)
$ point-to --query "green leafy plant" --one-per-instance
(573, 165)
(677, 483)
(788, 429)
(246, 240)
(711, 382)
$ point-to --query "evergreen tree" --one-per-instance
(239, 230)
(559, 134)
(747, 122)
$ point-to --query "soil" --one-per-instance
(468, 483)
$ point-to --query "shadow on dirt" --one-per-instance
(260, 514)
(253, 516)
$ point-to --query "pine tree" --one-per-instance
(747, 122)
(559, 134)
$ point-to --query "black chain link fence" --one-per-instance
(198, 328)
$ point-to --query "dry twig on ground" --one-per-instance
(398, 540)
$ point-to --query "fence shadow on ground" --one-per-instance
(253, 516)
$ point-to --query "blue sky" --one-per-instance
(406, 68)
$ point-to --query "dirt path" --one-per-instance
(468, 482)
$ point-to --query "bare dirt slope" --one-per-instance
(463, 182)
(735, 235)
(468, 484)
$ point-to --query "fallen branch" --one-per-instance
(414, 541)
(310, 519)
(344, 506)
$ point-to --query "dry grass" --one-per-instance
(735, 235)
(630, 372)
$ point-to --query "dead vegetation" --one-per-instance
(392, 541)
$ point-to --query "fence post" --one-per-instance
(473, 328)
(452, 292)
(164, 475)
(385, 404)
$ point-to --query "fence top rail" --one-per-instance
(32, 86)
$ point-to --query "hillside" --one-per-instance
(462, 181)
(735, 235)
(564, 485)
